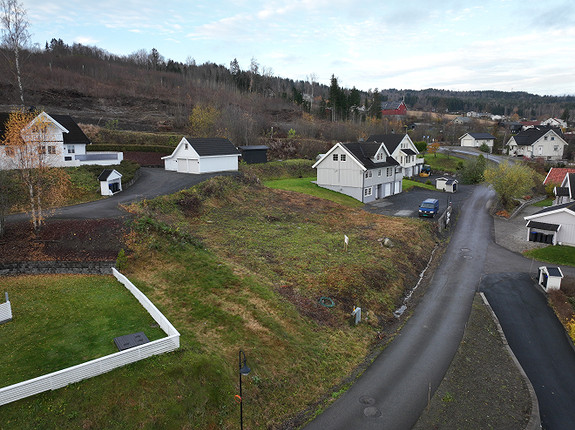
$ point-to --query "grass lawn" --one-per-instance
(442, 162)
(305, 186)
(409, 184)
(544, 203)
(60, 321)
(554, 254)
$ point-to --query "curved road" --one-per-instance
(394, 390)
(151, 183)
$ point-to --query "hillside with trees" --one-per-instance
(147, 92)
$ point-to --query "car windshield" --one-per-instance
(427, 205)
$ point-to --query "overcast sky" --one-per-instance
(509, 45)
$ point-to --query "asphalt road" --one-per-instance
(394, 390)
(152, 183)
(539, 342)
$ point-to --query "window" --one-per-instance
(41, 150)
(555, 148)
(67, 158)
(388, 171)
(544, 137)
(379, 172)
(368, 174)
(552, 137)
(335, 157)
(51, 150)
(71, 149)
(367, 192)
(342, 157)
(186, 146)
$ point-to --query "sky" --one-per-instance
(507, 45)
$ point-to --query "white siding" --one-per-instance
(223, 163)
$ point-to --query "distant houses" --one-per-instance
(476, 140)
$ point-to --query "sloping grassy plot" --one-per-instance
(558, 254)
(306, 186)
(61, 321)
(238, 266)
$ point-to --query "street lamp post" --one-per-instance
(244, 370)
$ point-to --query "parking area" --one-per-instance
(406, 203)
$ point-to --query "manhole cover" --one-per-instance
(366, 400)
(372, 411)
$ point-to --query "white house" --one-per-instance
(565, 193)
(364, 170)
(401, 148)
(59, 139)
(538, 142)
(110, 182)
(203, 155)
(475, 140)
(554, 225)
(554, 122)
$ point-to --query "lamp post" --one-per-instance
(244, 370)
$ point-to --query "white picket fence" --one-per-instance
(61, 378)
(5, 311)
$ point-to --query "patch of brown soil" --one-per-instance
(63, 240)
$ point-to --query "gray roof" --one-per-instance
(554, 271)
(482, 135)
(364, 151)
(530, 135)
(206, 146)
(570, 206)
(543, 225)
(391, 141)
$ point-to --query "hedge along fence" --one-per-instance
(61, 378)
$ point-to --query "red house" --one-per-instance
(393, 108)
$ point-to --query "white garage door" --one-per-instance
(183, 165)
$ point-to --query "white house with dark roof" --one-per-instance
(203, 155)
(402, 149)
(554, 225)
(365, 171)
(110, 182)
(62, 143)
(475, 140)
(565, 193)
(538, 142)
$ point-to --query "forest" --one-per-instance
(145, 91)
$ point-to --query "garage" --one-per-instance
(203, 155)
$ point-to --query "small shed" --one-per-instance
(446, 184)
(550, 278)
(110, 182)
(253, 154)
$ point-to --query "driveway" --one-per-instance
(406, 204)
(151, 183)
(539, 342)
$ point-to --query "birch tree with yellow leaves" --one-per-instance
(27, 150)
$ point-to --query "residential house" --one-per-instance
(556, 175)
(565, 193)
(203, 155)
(554, 225)
(402, 149)
(476, 140)
(393, 108)
(365, 171)
(538, 142)
(462, 120)
(555, 122)
(62, 143)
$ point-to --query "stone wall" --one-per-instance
(57, 267)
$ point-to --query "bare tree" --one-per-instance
(15, 35)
